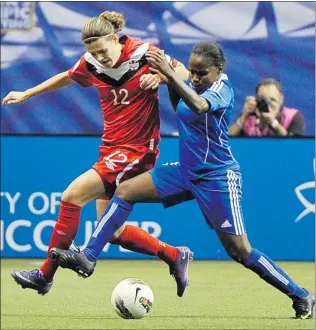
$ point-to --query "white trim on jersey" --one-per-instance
(76, 66)
(119, 72)
(216, 87)
(223, 76)
(104, 220)
(234, 202)
(219, 125)
(207, 138)
(218, 84)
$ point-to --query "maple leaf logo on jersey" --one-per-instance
(133, 65)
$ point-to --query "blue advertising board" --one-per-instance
(278, 198)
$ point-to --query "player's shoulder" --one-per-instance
(221, 85)
(134, 48)
(132, 43)
(80, 64)
(82, 57)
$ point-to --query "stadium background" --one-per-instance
(52, 138)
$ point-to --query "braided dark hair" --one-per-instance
(212, 52)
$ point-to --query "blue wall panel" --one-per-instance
(278, 198)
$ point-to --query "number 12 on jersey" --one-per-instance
(120, 97)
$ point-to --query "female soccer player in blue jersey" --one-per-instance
(207, 172)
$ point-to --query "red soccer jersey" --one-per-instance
(131, 114)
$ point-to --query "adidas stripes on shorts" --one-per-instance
(219, 199)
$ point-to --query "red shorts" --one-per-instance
(119, 163)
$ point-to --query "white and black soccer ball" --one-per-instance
(132, 299)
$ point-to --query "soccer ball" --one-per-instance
(132, 298)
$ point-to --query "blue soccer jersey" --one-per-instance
(204, 149)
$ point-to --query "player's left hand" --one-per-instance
(158, 61)
(267, 117)
(149, 81)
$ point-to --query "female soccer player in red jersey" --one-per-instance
(118, 68)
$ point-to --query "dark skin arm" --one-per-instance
(173, 96)
(195, 102)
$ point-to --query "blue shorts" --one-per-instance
(219, 199)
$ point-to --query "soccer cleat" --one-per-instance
(33, 279)
(180, 269)
(75, 261)
(304, 307)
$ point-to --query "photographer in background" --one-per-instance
(265, 114)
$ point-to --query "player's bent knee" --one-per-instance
(125, 191)
(67, 196)
(238, 253)
(235, 256)
(72, 196)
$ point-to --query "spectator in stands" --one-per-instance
(266, 115)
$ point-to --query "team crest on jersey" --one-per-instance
(133, 65)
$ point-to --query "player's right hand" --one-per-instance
(149, 81)
(15, 98)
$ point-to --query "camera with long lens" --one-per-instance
(262, 104)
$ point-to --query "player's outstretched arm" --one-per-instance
(173, 97)
(59, 81)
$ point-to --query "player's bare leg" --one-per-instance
(239, 249)
(85, 188)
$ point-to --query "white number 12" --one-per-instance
(123, 93)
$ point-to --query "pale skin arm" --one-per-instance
(56, 82)
(152, 81)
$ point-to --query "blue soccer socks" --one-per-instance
(112, 219)
(272, 274)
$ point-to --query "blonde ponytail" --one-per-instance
(116, 19)
(108, 22)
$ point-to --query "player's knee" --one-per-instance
(235, 256)
(238, 253)
(125, 191)
(72, 196)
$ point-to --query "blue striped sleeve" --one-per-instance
(219, 96)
